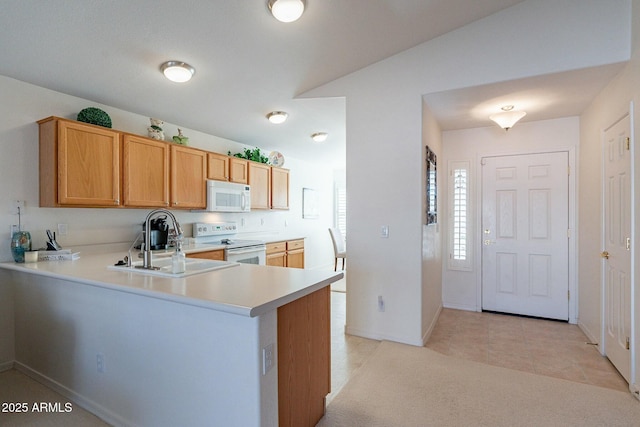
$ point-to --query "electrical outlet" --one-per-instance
(380, 303)
(100, 363)
(62, 229)
(13, 228)
(384, 231)
(267, 359)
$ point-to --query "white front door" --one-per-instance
(617, 245)
(525, 221)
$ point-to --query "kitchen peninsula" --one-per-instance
(225, 347)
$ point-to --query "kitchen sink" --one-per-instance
(163, 265)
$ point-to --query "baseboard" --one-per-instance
(5, 366)
(460, 306)
(87, 404)
(588, 333)
(380, 337)
(431, 327)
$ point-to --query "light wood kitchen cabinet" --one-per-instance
(217, 167)
(217, 255)
(238, 170)
(295, 253)
(188, 178)
(279, 188)
(277, 254)
(79, 164)
(145, 172)
(304, 359)
(286, 254)
(260, 182)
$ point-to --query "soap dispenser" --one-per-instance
(178, 259)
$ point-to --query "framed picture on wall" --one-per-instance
(310, 208)
(431, 187)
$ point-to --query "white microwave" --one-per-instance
(225, 196)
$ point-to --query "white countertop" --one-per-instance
(247, 290)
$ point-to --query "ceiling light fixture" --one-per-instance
(286, 10)
(319, 136)
(508, 118)
(277, 117)
(177, 71)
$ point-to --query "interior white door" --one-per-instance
(617, 246)
(525, 221)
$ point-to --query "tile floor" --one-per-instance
(544, 347)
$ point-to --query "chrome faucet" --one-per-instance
(146, 251)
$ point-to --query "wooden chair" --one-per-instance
(339, 247)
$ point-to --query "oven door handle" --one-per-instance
(245, 251)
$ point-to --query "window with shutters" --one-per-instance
(459, 229)
(340, 214)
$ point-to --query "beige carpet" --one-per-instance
(403, 385)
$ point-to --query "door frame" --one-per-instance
(573, 236)
(632, 331)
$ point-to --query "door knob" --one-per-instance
(605, 255)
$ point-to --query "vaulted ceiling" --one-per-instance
(247, 63)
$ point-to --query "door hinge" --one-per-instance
(568, 233)
(569, 170)
(628, 142)
(569, 295)
(627, 343)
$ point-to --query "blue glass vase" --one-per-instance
(20, 242)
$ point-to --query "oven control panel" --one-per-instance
(201, 229)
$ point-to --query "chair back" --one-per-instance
(338, 240)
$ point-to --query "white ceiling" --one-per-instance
(247, 63)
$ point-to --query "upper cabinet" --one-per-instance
(86, 165)
(188, 178)
(260, 182)
(238, 170)
(217, 167)
(145, 172)
(279, 188)
(79, 164)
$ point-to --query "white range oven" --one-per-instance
(236, 250)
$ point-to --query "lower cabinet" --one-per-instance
(304, 359)
(217, 255)
(286, 253)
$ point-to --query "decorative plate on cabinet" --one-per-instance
(276, 159)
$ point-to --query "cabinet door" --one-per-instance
(188, 178)
(295, 259)
(88, 165)
(304, 359)
(260, 182)
(145, 172)
(217, 167)
(238, 170)
(277, 260)
(279, 188)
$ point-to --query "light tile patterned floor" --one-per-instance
(544, 347)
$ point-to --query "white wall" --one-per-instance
(461, 289)
(165, 363)
(432, 244)
(21, 105)
(612, 103)
(384, 136)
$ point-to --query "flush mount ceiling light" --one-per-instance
(508, 118)
(177, 71)
(277, 117)
(286, 10)
(319, 136)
